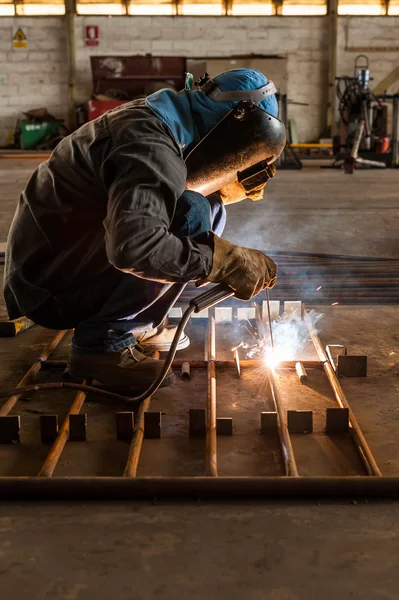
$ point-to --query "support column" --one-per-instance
(70, 16)
(332, 6)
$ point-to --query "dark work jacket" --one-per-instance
(105, 199)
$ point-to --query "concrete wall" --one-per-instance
(37, 76)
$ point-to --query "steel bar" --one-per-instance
(301, 372)
(290, 465)
(33, 371)
(185, 372)
(226, 488)
(211, 434)
(354, 427)
(269, 319)
(53, 456)
(133, 458)
(249, 363)
(237, 362)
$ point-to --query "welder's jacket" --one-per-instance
(104, 199)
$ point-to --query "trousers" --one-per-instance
(107, 314)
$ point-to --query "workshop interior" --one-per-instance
(199, 318)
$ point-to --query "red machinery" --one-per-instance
(118, 79)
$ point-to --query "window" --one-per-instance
(151, 7)
(100, 8)
(361, 7)
(393, 7)
(198, 7)
(27, 9)
(6, 9)
(241, 7)
(301, 7)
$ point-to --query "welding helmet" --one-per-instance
(240, 147)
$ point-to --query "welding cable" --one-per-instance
(202, 302)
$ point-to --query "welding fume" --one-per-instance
(131, 207)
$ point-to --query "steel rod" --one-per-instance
(211, 438)
(226, 488)
(246, 363)
(237, 362)
(33, 371)
(136, 445)
(58, 446)
(354, 427)
(290, 465)
(269, 318)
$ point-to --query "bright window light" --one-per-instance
(151, 9)
(393, 9)
(361, 9)
(260, 8)
(303, 9)
(29, 10)
(7, 10)
(100, 9)
(201, 9)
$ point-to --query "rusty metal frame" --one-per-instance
(130, 486)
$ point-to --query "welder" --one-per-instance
(106, 234)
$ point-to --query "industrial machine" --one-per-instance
(363, 140)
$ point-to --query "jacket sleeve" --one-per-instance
(147, 176)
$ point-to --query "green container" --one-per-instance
(33, 134)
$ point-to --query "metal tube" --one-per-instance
(33, 371)
(301, 372)
(237, 362)
(53, 456)
(290, 465)
(211, 438)
(269, 319)
(185, 372)
(226, 488)
(133, 458)
(246, 363)
(358, 437)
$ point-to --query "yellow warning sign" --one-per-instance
(19, 40)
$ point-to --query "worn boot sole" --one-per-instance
(184, 342)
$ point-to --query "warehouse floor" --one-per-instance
(271, 551)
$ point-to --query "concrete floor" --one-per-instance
(271, 551)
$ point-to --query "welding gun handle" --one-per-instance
(211, 297)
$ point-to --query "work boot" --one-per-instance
(161, 339)
(128, 369)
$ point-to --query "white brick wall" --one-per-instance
(38, 76)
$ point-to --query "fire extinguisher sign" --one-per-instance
(91, 35)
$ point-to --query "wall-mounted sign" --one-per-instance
(91, 35)
(19, 39)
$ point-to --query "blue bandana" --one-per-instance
(191, 115)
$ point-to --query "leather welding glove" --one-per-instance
(235, 192)
(245, 270)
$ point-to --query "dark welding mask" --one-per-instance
(241, 147)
